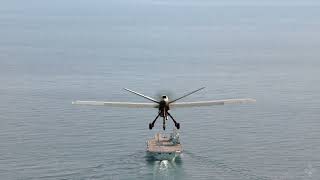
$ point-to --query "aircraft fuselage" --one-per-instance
(164, 106)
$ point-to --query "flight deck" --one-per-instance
(164, 146)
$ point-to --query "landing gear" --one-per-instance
(165, 117)
(151, 125)
(164, 123)
(178, 125)
(175, 122)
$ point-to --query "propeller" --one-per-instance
(144, 96)
(159, 94)
(188, 94)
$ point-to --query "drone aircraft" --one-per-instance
(164, 105)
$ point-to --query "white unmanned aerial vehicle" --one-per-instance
(165, 104)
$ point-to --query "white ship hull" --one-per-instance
(163, 155)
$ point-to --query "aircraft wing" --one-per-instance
(212, 103)
(117, 104)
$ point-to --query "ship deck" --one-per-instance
(162, 144)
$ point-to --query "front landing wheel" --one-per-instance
(178, 125)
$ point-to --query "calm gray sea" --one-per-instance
(54, 52)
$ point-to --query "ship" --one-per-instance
(164, 146)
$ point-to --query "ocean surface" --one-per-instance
(55, 52)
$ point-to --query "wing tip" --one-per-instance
(75, 102)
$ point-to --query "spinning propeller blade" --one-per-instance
(186, 95)
(139, 94)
